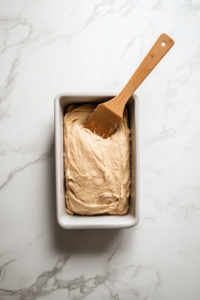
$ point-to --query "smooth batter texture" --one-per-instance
(97, 170)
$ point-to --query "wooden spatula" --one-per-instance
(107, 116)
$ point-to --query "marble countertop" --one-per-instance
(49, 47)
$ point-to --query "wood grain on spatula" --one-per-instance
(107, 116)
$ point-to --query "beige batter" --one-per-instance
(97, 170)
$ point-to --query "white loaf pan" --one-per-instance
(100, 221)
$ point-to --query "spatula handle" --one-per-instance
(156, 53)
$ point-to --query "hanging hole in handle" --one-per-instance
(163, 44)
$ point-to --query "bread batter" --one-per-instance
(97, 170)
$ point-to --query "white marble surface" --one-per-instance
(48, 47)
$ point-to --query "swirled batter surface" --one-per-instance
(97, 170)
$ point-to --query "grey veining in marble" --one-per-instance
(49, 47)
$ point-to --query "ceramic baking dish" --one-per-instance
(100, 221)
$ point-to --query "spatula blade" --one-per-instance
(103, 121)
